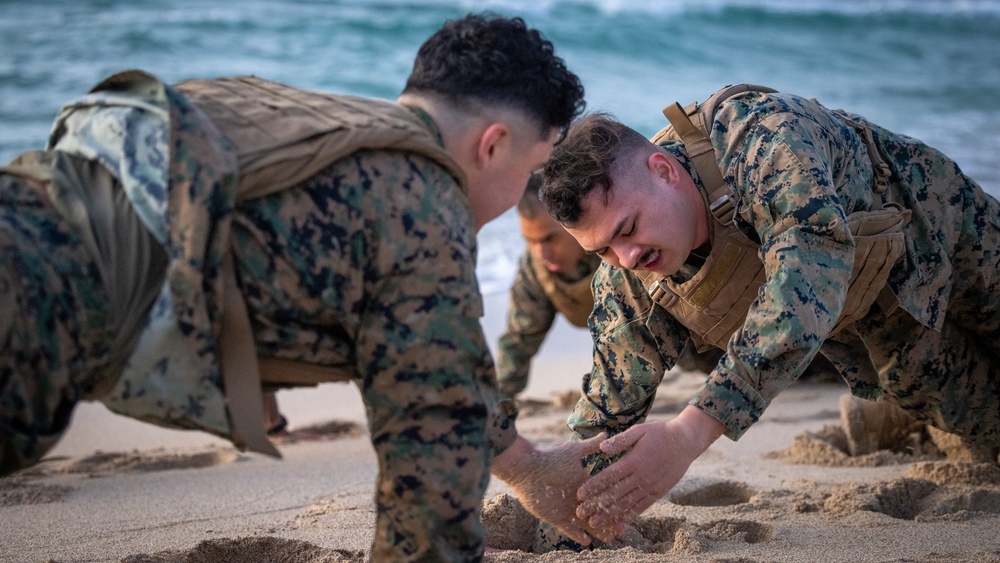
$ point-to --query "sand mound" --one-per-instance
(510, 527)
(257, 549)
(828, 448)
(942, 473)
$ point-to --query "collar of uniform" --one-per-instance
(677, 150)
(428, 122)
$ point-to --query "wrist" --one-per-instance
(700, 429)
(506, 465)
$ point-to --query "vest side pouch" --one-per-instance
(879, 244)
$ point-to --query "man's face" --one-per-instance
(643, 223)
(549, 243)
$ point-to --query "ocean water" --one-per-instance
(926, 68)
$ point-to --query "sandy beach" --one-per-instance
(119, 490)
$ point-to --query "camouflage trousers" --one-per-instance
(52, 325)
(951, 378)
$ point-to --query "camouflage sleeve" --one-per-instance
(529, 319)
(786, 191)
(371, 263)
(635, 342)
(427, 377)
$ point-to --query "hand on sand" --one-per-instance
(546, 482)
(659, 453)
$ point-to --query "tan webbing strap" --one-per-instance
(240, 376)
(697, 145)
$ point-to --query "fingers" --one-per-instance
(610, 504)
(610, 480)
(611, 522)
(623, 508)
(576, 533)
(624, 441)
(591, 445)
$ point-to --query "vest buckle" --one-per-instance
(662, 295)
(722, 209)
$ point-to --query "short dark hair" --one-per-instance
(584, 161)
(530, 206)
(499, 61)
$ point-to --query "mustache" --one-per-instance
(646, 256)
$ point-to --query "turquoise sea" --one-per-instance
(926, 68)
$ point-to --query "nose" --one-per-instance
(546, 252)
(627, 254)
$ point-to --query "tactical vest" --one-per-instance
(282, 136)
(575, 300)
(714, 303)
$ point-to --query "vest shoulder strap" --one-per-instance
(692, 125)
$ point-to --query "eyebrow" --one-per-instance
(614, 235)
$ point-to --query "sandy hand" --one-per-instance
(658, 455)
(546, 482)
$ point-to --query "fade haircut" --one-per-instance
(530, 206)
(495, 61)
(586, 160)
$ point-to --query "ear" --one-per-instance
(496, 137)
(664, 167)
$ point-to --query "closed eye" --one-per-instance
(631, 230)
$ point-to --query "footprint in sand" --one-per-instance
(18, 491)
(239, 550)
(927, 492)
(725, 493)
(330, 430)
(155, 460)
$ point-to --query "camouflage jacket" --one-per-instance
(795, 171)
(532, 310)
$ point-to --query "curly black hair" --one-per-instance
(498, 61)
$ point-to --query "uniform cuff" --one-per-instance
(504, 431)
(731, 400)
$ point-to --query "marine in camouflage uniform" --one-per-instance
(364, 270)
(553, 277)
(530, 317)
(795, 170)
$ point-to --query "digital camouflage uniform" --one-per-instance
(532, 310)
(795, 171)
(367, 267)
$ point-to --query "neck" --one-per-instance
(461, 130)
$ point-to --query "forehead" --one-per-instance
(539, 225)
(601, 211)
